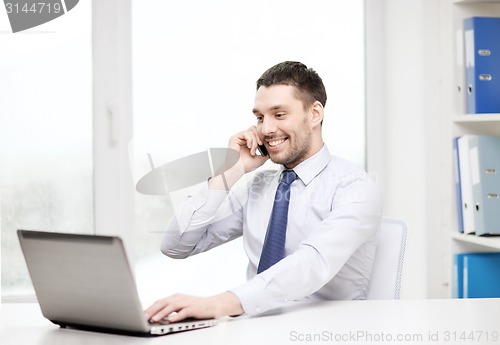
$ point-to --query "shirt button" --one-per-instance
(258, 309)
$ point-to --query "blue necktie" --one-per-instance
(274, 244)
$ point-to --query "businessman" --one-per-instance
(309, 229)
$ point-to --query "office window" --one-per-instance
(194, 70)
(195, 64)
(46, 176)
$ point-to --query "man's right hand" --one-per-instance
(245, 143)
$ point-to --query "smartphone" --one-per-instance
(263, 150)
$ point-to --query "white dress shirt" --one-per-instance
(333, 220)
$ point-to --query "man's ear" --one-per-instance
(317, 112)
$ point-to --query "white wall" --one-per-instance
(404, 126)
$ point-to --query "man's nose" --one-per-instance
(268, 126)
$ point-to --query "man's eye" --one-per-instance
(259, 118)
(280, 115)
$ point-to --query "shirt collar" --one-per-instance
(311, 167)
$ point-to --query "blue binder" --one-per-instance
(484, 156)
(458, 192)
(482, 64)
(477, 275)
(458, 276)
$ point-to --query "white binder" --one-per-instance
(466, 184)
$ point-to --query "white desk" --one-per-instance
(473, 321)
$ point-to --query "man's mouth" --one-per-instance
(275, 144)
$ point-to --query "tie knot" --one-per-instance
(288, 176)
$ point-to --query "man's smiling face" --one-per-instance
(284, 124)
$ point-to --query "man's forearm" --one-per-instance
(226, 179)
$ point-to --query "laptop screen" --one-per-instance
(83, 279)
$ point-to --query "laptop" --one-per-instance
(86, 282)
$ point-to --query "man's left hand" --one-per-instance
(179, 306)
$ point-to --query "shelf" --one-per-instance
(474, 1)
(468, 118)
(463, 123)
(490, 242)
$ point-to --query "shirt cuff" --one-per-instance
(208, 199)
(205, 201)
(255, 299)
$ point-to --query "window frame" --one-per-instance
(112, 111)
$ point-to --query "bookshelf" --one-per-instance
(462, 123)
(491, 243)
(491, 118)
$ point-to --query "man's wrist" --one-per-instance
(228, 304)
(226, 179)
